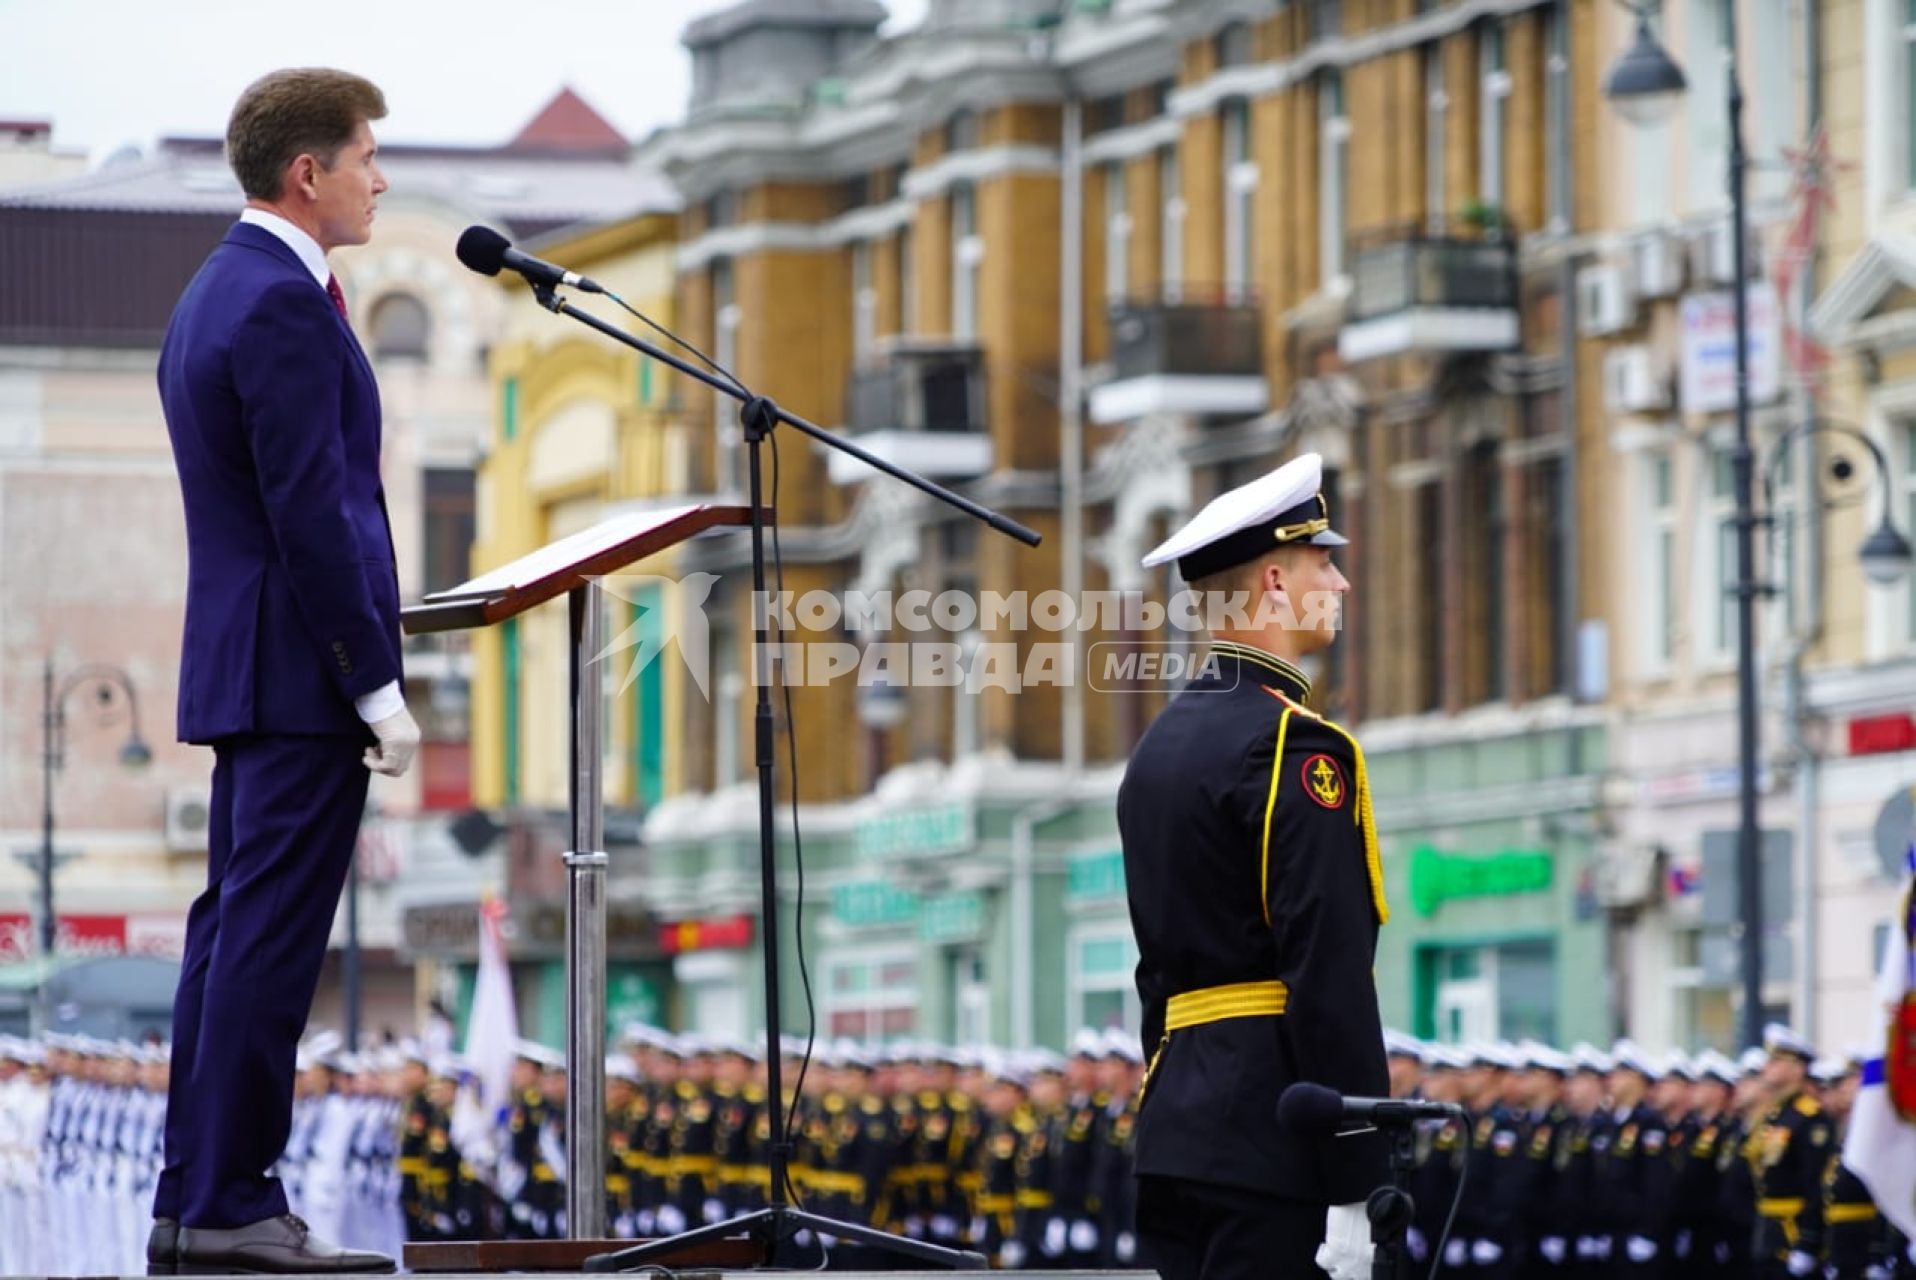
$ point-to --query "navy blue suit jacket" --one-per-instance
(292, 597)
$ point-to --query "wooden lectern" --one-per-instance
(569, 567)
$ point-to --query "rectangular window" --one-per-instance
(1436, 131)
(1493, 106)
(907, 284)
(1334, 130)
(870, 996)
(1546, 496)
(1660, 553)
(1706, 65)
(1485, 512)
(725, 323)
(727, 691)
(1101, 983)
(1909, 93)
(1233, 44)
(864, 303)
(1117, 234)
(1906, 433)
(1240, 191)
(1718, 627)
(1326, 18)
(1430, 570)
(1171, 242)
(1556, 89)
(967, 251)
(448, 519)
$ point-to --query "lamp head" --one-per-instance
(1645, 83)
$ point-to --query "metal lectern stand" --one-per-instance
(569, 567)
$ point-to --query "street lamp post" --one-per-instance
(108, 684)
(1645, 84)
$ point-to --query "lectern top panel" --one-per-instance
(560, 566)
(567, 552)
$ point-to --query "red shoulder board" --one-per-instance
(1899, 1063)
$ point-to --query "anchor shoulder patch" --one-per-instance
(1323, 779)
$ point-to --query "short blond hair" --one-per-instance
(287, 114)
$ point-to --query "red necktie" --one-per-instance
(338, 296)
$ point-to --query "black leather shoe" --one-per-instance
(272, 1246)
(163, 1248)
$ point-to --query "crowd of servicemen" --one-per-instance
(1583, 1164)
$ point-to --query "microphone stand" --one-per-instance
(778, 1220)
(1391, 1209)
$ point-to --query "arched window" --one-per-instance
(401, 328)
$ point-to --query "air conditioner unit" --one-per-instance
(1658, 262)
(1713, 256)
(189, 814)
(1634, 381)
(1604, 304)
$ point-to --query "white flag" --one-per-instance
(494, 1027)
(1881, 1147)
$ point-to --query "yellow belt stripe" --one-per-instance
(1215, 1004)
(1779, 1208)
(1849, 1213)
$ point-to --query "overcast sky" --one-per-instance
(112, 72)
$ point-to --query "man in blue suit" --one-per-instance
(290, 668)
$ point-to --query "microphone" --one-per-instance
(1312, 1111)
(484, 250)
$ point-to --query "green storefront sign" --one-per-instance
(873, 904)
(921, 833)
(1437, 877)
(1093, 876)
(952, 917)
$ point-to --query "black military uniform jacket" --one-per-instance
(1246, 862)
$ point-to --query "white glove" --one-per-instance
(1346, 1252)
(1640, 1249)
(1054, 1236)
(1012, 1254)
(1877, 1272)
(1456, 1254)
(1800, 1263)
(1553, 1249)
(714, 1210)
(670, 1219)
(1485, 1252)
(398, 740)
(1126, 1246)
(977, 1228)
(1084, 1236)
(1418, 1245)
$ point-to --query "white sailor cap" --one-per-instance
(1711, 1065)
(1678, 1066)
(620, 1067)
(1399, 1045)
(1778, 1038)
(1591, 1059)
(1752, 1061)
(1628, 1057)
(534, 1052)
(1283, 508)
(1087, 1043)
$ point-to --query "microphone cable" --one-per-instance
(791, 751)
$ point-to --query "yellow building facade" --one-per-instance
(584, 429)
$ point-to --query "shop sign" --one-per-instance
(94, 935)
(1437, 877)
(725, 933)
(952, 917)
(874, 904)
(451, 930)
(1707, 349)
(1876, 735)
(918, 833)
(1092, 876)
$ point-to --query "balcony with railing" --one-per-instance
(1423, 293)
(918, 403)
(1189, 354)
